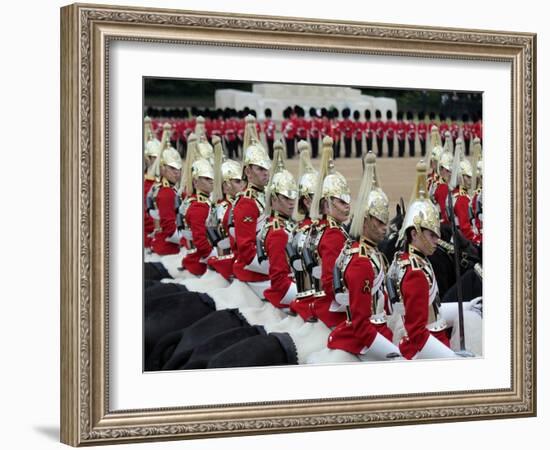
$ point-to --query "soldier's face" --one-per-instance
(445, 174)
(233, 186)
(466, 181)
(339, 209)
(374, 229)
(426, 241)
(172, 174)
(204, 184)
(257, 175)
(283, 204)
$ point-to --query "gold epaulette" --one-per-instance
(363, 250)
(165, 183)
(249, 193)
(203, 198)
(275, 224)
(416, 262)
(332, 223)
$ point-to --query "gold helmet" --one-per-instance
(282, 181)
(202, 168)
(255, 154)
(307, 175)
(477, 164)
(336, 185)
(232, 170)
(371, 200)
(422, 213)
(446, 161)
(171, 157)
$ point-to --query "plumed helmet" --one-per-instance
(283, 183)
(466, 168)
(171, 157)
(446, 161)
(202, 168)
(422, 213)
(255, 154)
(152, 148)
(231, 170)
(336, 185)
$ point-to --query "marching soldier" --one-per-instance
(248, 211)
(195, 210)
(368, 130)
(315, 127)
(348, 128)
(422, 130)
(379, 129)
(413, 277)
(269, 131)
(411, 131)
(165, 199)
(228, 183)
(358, 129)
(400, 133)
(361, 270)
(390, 128)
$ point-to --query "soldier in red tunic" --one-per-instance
(248, 211)
(361, 283)
(464, 219)
(274, 236)
(412, 275)
(151, 153)
(331, 208)
(288, 128)
(230, 134)
(227, 184)
(358, 129)
(347, 127)
(441, 189)
(400, 132)
(315, 128)
(367, 127)
(164, 198)
(410, 131)
(307, 181)
(390, 128)
(269, 131)
(434, 158)
(195, 210)
(422, 130)
(379, 130)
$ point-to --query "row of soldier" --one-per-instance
(353, 133)
(297, 246)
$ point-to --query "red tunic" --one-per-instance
(282, 284)
(331, 244)
(196, 215)
(247, 210)
(165, 202)
(422, 130)
(391, 128)
(379, 129)
(269, 129)
(440, 196)
(410, 130)
(315, 127)
(415, 286)
(302, 128)
(443, 128)
(148, 222)
(230, 131)
(347, 127)
(354, 335)
(288, 128)
(461, 208)
(401, 130)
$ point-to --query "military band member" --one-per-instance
(411, 130)
(248, 211)
(228, 183)
(379, 129)
(414, 280)
(362, 272)
(422, 130)
(165, 200)
(390, 128)
(358, 129)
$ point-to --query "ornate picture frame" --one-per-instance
(87, 31)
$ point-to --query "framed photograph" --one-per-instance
(109, 55)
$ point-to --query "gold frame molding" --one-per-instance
(86, 31)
